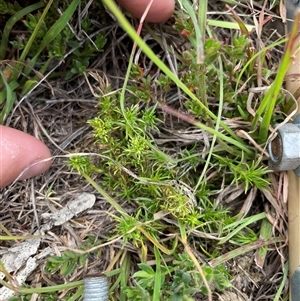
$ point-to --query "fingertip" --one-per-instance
(160, 11)
(37, 167)
(20, 152)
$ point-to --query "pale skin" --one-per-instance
(23, 156)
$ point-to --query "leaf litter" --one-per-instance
(19, 255)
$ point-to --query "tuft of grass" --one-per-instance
(167, 156)
(50, 31)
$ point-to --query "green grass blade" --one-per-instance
(41, 290)
(158, 276)
(221, 101)
(265, 234)
(234, 139)
(255, 56)
(270, 99)
(12, 85)
(199, 22)
(278, 295)
(240, 225)
(238, 20)
(125, 272)
(77, 295)
(105, 195)
(228, 25)
(198, 30)
(244, 249)
(10, 97)
(35, 32)
(225, 138)
(11, 22)
(58, 26)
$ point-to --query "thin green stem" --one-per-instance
(148, 51)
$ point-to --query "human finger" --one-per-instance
(18, 151)
(160, 11)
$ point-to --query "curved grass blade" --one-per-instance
(234, 139)
(221, 102)
(58, 26)
(35, 32)
(237, 226)
(198, 44)
(269, 101)
(10, 97)
(11, 22)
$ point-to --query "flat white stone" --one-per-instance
(21, 254)
(74, 207)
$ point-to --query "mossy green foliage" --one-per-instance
(161, 183)
(132, 169)
(48, 36)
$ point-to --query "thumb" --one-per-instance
(18, 151)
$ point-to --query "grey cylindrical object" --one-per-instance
(95, 289)
(295, 285)
(291, 8)
(284, 150)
